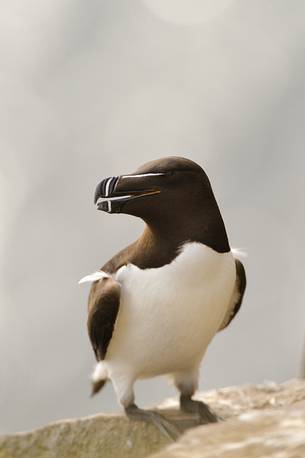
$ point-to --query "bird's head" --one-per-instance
(162, 188)
(172, 195)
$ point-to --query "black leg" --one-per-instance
(165, 426)
(206, 415)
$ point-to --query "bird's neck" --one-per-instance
(160, 243)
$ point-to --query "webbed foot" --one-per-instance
(206, 415)
(165, 426)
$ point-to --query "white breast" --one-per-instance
(169, 315)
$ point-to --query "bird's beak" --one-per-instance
(113, 193)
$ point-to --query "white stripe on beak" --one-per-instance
(142, 175)
(108, 185)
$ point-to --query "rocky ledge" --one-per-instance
(265, 420)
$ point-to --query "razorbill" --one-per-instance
(156, 305)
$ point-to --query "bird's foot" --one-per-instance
(206, 415)
(149, 416)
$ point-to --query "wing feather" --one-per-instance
(103, 308)
(237, 296)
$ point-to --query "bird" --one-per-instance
(155, 306)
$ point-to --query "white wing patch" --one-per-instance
(94, 277)
(238, 253)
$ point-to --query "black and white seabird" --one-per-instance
(156, 305)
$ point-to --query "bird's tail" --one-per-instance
(98, 378)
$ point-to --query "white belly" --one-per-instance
(169, 315)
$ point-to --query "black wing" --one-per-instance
(103, 307)
(238, 294)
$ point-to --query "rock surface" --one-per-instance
(262, 421)
(254, 434)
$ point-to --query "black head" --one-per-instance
(156, 189)
(169, 194)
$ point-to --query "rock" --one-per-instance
(97, 436)
(254, 434)
(262, 420)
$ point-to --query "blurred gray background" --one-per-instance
(96, 88)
